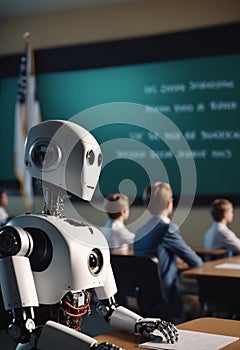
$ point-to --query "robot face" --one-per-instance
(64, 154)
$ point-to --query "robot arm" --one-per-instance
(57, 336)
(121, 318)
(151, 328)
(17, 282)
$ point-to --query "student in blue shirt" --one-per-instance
(162, 238)
(219, 235)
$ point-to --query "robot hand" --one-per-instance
(157, 329)
(105, 346)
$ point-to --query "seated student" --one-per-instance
(163, 239)
(4, 216)
(119, 238)
(219, 235)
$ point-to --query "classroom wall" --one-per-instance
(109, 22)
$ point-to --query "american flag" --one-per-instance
(27, 114)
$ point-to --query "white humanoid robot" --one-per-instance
(49, 264)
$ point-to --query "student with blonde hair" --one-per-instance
(161, 238)
(219, 234)
(158, 199)
(119, 238)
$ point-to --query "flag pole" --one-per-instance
(27, 114)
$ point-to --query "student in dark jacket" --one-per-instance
(162, 238)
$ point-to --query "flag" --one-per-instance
(27, 114)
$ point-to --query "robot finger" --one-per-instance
(165, 330)
(170, 331)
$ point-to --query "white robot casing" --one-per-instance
(70, 266)
(64, 154)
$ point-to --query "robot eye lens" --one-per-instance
(38, 154)
(95, 261)
(90, 157)
(100, 159)
(45, 156)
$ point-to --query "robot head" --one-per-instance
(64, 154)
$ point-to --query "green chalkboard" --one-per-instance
(199, 96)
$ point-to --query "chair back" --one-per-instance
(139, 283)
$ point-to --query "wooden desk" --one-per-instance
(205, 254)
(210, 254)
(218, 287)
(209, 269)
(207, 325)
